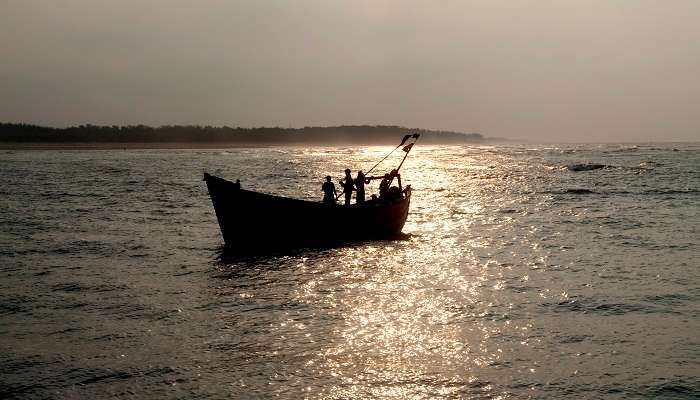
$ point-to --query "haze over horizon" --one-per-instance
(578, 71)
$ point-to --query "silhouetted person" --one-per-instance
(384, 185)
(329, 192)
(360, 185)
(237, 185)
(348, 186)
(395, 174)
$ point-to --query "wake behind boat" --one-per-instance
(252, 220)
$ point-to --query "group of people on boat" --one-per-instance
(357, 185)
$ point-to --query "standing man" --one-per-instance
(329, 192)
(384, 186)
(360, 185)
(348, 186)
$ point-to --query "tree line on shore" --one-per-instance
(347, 134)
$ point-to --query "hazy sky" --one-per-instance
(569, 70)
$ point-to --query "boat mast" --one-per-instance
(405, 138)
(407, 149)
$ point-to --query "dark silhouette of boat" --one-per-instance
(253, 221)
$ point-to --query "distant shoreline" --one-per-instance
(11, 146)
(27, 136)
(127, 146)
(19, 146)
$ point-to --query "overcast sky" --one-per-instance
(574, 70)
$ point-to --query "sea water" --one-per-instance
(520, 278)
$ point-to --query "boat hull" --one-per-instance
(253, 220)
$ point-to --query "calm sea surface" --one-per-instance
(521, 278)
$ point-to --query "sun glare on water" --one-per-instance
(412, 317)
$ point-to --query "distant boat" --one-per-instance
(252, 221)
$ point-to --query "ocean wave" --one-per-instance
(585, 167)
(623, 149)
(671, 299)
(14, 306)
(681, 387)
(579, 191)
(594, 306)
(621, 192)
(671, 191)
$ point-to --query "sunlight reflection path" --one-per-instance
(442, 314)
(423, 323)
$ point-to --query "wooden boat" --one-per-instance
(257, 221)
(253, 220)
